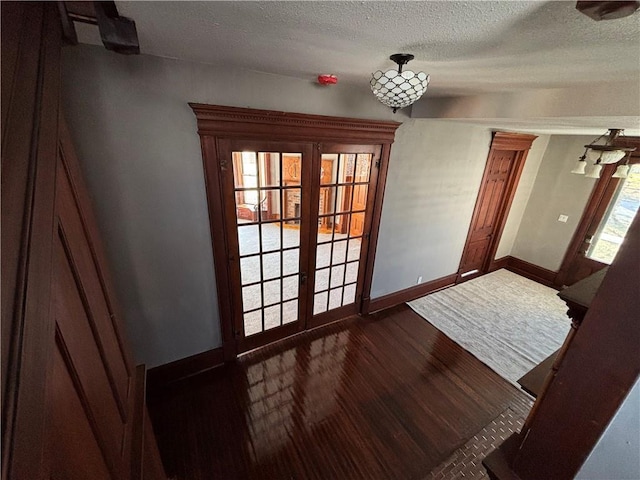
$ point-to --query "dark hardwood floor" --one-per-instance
(380, 397)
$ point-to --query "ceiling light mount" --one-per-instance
(398, 88)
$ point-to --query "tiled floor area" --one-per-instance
(466, 462)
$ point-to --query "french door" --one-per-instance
(297, 217)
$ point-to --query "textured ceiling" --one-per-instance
(467, 47)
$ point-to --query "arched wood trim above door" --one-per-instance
(220, 125)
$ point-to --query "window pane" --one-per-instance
(335, 298)
(290, 236)
(291, 261)
(247, 206)
(250, 269)
(269, 169)
(292, 199)
(290, 287)
(344, 199)
(617, 219)
(292, 168)
(248, 239)
(272, 317)
(272, 292)
(290, 311)
(328, 169)
(320, 303)
(354, 249)
(269, 205)
(327, 200)
(337, 276)
(271, 265)
(363, 167)
(349, 294)
(339, 252)
(352, 272)
(270, 236)
(252, 322)
(251, 298)
(322, 280)
(323, 255)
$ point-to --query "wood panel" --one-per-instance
(29, 146)
(499, 182)
(380, 397)
(408, 294)
(67, 386)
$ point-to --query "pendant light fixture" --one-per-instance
(603, 154)
(398, 88)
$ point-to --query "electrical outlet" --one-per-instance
(563, 218)
(419, 280)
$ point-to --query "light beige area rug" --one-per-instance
(507, 321)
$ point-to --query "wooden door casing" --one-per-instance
(505, 161)
(217, 123)
(575, 265)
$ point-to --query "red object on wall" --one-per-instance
(327, 79)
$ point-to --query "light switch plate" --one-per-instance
(563, 218)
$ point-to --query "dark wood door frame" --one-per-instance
(521, 144)
(217, 122)
(596, 207)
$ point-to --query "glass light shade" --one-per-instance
(580, 167)
(621, 172)
(612, 156)
(593, 155)
(595, 171)
(399, 90)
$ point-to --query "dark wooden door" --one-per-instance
(504, 165)
(267, 220)
(339, 252)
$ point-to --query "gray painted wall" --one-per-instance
(521, 197)
(617, 453)
(136, 139)
(541, 239)
(434, 175)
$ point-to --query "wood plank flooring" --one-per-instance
(380, 397)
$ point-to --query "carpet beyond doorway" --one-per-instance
(507, 321)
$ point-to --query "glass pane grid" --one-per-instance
(338, 243)
(268, 218)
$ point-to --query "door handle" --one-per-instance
(303, 278)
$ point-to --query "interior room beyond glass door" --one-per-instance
(269, 191)
(342, 229)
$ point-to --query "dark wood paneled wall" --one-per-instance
(70, 397)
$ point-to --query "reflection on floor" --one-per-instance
(380, 397)
(275, 290)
